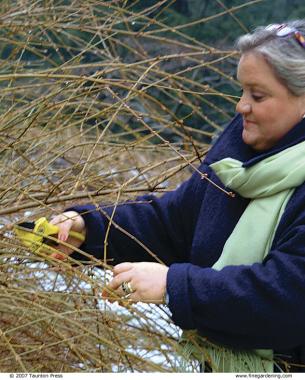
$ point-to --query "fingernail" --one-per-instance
(58, 256)
(62, 237)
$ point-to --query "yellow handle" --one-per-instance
(77, 235)
(43, 227)
(33, 239)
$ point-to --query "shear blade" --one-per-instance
(27, 225)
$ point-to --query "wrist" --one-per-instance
(165, 298)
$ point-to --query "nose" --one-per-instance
(243, 106)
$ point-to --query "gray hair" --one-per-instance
(284, 54)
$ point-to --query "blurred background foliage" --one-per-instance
(101, 101)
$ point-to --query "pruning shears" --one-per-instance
(41, 236)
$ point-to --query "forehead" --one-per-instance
(253, 70)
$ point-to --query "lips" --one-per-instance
(247, 123)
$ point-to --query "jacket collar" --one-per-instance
(230, 144)
(293, 137)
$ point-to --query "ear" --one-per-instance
(302, 106)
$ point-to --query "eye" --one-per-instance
(257, 97)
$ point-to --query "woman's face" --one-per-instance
(268, 108)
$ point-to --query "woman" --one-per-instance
(234, 266)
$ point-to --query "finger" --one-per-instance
(105, 293)
(117, 281)
(64, 230)
(56, 219)
(120, 296)
(109, 295)
(61, 252)
(129, 299)
(112, 294)
(63, 217)
(63, 234)
(58, 256)
(123, 267)
(64, 224)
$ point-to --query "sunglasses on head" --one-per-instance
(283, 30)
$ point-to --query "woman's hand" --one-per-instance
(147, 281)
(69, 220)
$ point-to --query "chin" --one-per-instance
(248, 138)
(256, 145)
(253, 141)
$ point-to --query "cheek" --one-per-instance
(265, 113)
(263, 132)
(274, 125)
(267, 119)
(276, 114)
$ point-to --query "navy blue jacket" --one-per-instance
(245, 306)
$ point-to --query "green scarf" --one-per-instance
(269, 184)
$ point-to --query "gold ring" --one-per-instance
(127, 288)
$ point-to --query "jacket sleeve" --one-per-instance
(146, 227)
(246, 306)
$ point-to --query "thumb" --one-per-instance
(64, 226)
